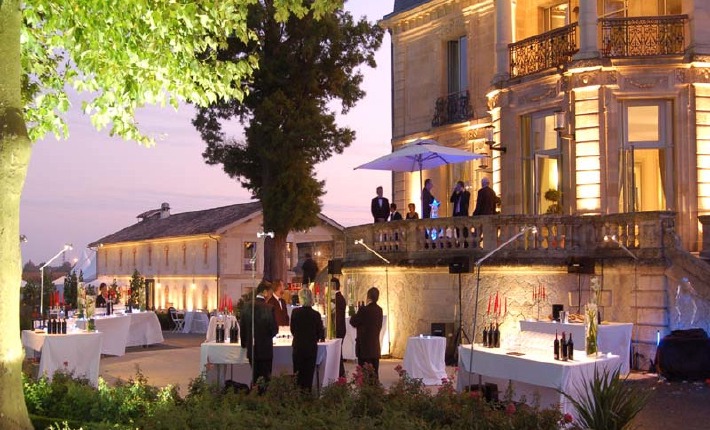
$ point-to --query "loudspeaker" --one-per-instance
(446, 330)
(556, 309)
(335, 267)
(583, 265)
(459, 265)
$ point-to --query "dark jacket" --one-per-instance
(427, 200)
(396, 216)
(265, 328)
(486, 202)
(463, 198)
(340, 307)
(307, 330)
(310, 270)
(280, 310)
(380, 213)
(368, 322)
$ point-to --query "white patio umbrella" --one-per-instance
(419, 155)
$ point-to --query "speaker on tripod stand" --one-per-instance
(458, 266)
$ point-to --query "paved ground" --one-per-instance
(177, 361)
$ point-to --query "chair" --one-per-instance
(177, 318)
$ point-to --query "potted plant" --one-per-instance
(554, 196)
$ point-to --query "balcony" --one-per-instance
(434, 242)
(643, 36)
(456, 107)
(543, 51)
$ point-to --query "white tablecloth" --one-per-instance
(78, 353)
(122, 330)
(424, 359)
(195, 322)
(531, 374)
(211, 329)
(216, 355)
(351, 334)
(612, 337)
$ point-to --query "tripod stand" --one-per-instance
(460, 332)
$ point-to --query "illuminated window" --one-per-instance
(150, 256)
(205, 249)
(184, 255)
(167, 254)
(542, 165)
(249, 256)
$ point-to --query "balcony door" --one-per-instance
(646, 161)
(543, 166)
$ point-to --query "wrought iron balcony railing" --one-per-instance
(543, 51)
(456, 107)
(643, 36)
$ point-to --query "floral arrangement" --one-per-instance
(136, 296)
(591, 317)
(87, 300)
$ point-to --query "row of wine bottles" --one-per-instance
(220, 332)
(56, 326)
(491, 336)
(564, 349)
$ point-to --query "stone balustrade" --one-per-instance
(427, 242)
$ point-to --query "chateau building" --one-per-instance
(192, 259)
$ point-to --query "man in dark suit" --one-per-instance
(264, 328)
(368, 322)
(340, 329)
(310, 269)
(307, 330)
(279, 304)
(428, 198)
(394, 213)
(380, 207)
(486, 200)
(460, 199)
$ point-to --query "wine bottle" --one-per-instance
(563, 348)
(485, 336)
(491, 341)
(570, 348)
(496, 337)
(557, 347)
(220, 333)
(64, 326)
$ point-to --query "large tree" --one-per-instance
(123, 55)
(304, 64)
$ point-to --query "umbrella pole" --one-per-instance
(421, 192)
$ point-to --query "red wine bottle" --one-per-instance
(563, 348)
(557, 347)
(496, 337)
(570, 348)
(485, 336)
(491, 341)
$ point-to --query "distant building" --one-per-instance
(192, 258)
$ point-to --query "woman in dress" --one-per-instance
(412, 214)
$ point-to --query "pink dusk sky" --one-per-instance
(91, 185)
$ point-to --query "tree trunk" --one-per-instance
(275, 258)
(15, 148)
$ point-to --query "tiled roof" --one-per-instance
(402, 5)
(182, 224)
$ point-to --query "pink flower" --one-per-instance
(510, 409)
(567, 418)
(342, 381)
(66, 364)
(475, 394)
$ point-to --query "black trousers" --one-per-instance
(261, 369)
(304, 367)
(375, 362)
(342, 362)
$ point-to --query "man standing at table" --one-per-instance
(428, 198)
(368, 322)
(261, 352)
(460, 198)
(279, 304)
(307, 330)
(310, 269)
(340, 328)
(380, 207)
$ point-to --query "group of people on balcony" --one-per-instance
(486, 202)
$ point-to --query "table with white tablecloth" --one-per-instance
(228, 321)
(77, 353)
(195, 322)
(124, 330)
(424, 359)
(229, 361)
(351, 334)
(534, 374)
(611, 337)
